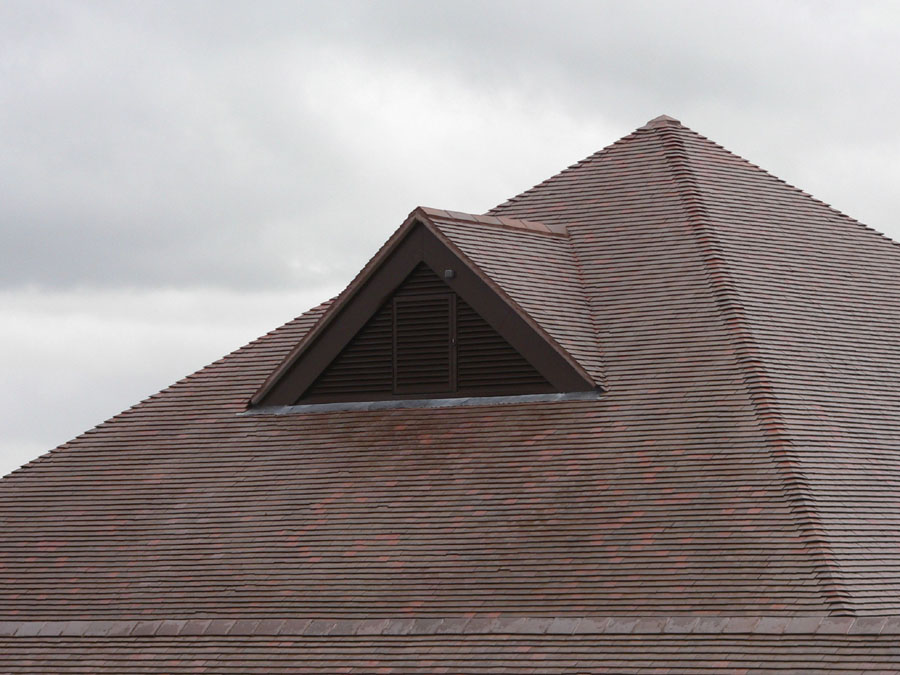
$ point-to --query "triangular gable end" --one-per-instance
(412, 324)
(425, 340)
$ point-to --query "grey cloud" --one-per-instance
(202, 171)
(210, 143)
(75, 358)
(127, 159)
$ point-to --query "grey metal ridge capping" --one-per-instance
(394, 404)
(659, 625)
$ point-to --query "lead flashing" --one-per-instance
(397, 404)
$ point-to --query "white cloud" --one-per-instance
(169, 171)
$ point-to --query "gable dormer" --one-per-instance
(422, 320)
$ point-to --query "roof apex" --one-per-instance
(661, 121)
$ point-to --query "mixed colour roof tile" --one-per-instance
(729, 503)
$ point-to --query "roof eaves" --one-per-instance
(497, 221)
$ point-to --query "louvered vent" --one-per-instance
(365, 368)
(487, 363)
(422, 281)
(425, 341)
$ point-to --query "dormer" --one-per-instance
(453, 306)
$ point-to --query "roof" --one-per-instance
(742, 645)
(739, 470)
(536, 266)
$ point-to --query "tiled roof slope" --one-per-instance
(545, 647)
(647, 501)
(737, 465)
(537, 268)
(811, 299)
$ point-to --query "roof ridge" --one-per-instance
(750, 362)
(534, 226)
(668, 122)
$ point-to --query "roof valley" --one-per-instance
(750, 363)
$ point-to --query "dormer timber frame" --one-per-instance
(418, 241)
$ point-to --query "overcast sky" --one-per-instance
(177, 178)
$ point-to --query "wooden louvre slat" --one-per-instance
(365, 368)
(423, 342)
(486, 362)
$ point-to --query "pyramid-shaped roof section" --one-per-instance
(732, 497)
